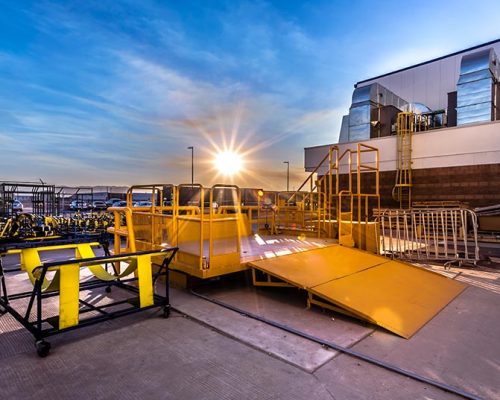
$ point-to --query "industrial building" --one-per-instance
(309, 284)
(454, 149)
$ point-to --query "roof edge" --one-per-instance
(428, 62)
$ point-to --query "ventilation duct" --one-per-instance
(366, 104)
(344, 129)
(479, 72)
(416, 108)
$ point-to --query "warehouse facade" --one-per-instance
(456, 148)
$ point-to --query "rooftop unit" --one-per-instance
(476, 87)
(365, 115)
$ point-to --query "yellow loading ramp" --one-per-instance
(394, 295)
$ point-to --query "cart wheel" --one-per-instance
(108, 289)
(42, 348)
(166, 312)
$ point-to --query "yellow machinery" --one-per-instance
(397, 296)
(198, 231)
(205, 224)
(208, 224)
(66, 279)
(339, 202)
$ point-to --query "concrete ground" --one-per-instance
(204, 351)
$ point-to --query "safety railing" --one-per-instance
(339, 201)
(301, 212)
(206, 225)
(122, 228)
(345, 220)
(320, 194)
(445, 234)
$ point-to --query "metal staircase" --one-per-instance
(339, 195)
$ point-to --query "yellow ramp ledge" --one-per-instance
(394, 295)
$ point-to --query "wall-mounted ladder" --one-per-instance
(402, 189)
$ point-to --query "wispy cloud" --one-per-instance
(114, 92)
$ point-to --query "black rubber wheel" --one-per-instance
(108, 289)
(166, 312)
(42, 348)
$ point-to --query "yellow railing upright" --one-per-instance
(341, 195)
(319, 192)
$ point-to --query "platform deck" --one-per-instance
(257, 247)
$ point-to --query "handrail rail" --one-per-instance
(111, 258)
(317, 167)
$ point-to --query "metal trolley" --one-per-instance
(62, 278)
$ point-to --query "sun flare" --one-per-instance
(228, 163)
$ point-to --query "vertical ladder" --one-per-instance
(402, 188)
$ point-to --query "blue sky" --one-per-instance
(113, 92)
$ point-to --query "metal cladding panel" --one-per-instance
(448, 81)
(344, 129)
(441, 76)
(359, 132)
(361, 95)
(478, 61)
(384, 97)
(376, 94)
(474, 93)
(359, 115)
(474, 113)
(474, 76)
(478, 72)
(390, 99)
(420, 85)
(364, 100)
(432, 89)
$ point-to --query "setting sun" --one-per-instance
(228, 162)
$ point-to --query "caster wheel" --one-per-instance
(166, 312)
(42, 348)
(108, 289)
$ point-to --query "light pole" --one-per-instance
(192, 164)
(287, 175)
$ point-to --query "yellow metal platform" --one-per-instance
(394, 295)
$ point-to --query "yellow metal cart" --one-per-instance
(127, 271)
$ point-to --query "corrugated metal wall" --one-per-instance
(429, 83)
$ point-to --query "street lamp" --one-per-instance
(287, 175)
(192, 164)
